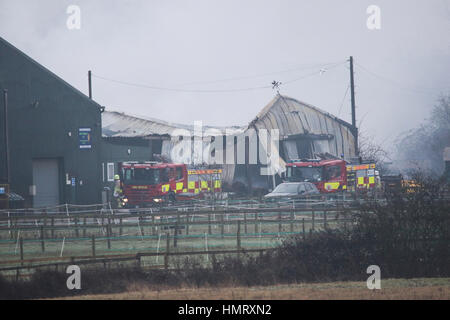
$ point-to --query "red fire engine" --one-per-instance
(332, 175)
(149, 183)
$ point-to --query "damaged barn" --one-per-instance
(252, 157)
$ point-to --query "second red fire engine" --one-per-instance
(333, 175)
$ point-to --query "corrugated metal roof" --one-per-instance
(292, 117)
(116, 124)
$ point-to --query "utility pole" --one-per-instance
(90, 83)
(352, 94)
(5, 104)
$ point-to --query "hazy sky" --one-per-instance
(213, 45)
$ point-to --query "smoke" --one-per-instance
(221, 45)
(423, 147)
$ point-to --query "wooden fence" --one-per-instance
(106, 260)
(112, 222)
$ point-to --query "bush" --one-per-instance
(406, 237)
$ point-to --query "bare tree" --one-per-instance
(368, 149)
(427, 142)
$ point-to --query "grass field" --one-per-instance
(68, 242)
(416, 289)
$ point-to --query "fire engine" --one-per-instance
(149, 183)
(332, 175)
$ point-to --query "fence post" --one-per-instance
(42, 239)
(279, 222)
(213, 260)
(153, 225)
(45, 220)
(110, 227)
(313, 220)
(93, 245)
(10, 226)
(120, 229)
(238, 235)
(209, 223)
(245, 222)
(108, 235)
(187, 223)
(303, 228)
(141, 229)
(138, 260)
(292, 222)
(166, 254)
(222, 224)
(175, 234)
(206, 246)
(17, 226)
(256, 222)
(325, 224)
(84, 227)
(21, 250)
(77, 234)
(53, 227)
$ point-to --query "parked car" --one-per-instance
(293, 190)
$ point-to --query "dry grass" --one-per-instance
(416, 289)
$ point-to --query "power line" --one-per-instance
(398, 84)
(343, 100)
(261, 75)
(321, 71)
(133, 84)
(178, 90)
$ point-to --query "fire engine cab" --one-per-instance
(332, 175)
(149, 183)
(327, 175)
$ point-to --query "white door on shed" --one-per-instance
(46, 180)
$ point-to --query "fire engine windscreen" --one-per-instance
(141, 176)
(308, 174)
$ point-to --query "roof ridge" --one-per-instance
(167, 123)
(45, 69)
(278, 96)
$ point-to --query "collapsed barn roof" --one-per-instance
(119, 124)
(305, 131)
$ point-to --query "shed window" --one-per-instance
(110, 171)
